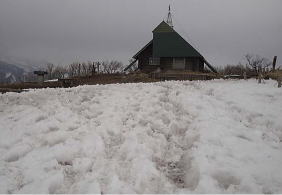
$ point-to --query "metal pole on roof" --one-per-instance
(169, 18)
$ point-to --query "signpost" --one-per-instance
(274, 63)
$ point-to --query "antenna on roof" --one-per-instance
(169, 18)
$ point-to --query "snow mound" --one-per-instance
(169, 137)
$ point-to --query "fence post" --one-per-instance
(279, 82)
(260, 77)
(245, 75)
(274, 63)
(259, 74)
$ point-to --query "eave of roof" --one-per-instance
(147, 45)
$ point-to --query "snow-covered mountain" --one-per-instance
(12, 71)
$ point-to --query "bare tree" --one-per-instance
(91, 68)
(59, 72)
(84, 68)
(104, 67)
(112, 67)
(234, 69)
(74, 69)
(79, 69)
(71, 69)
(98, 65)
(115, 66)
(257, 62)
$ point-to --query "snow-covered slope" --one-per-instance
(170, 137)
(10, 73)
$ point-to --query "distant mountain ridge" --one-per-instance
(10, 73)
(13, 73)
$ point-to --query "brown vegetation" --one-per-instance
(134, 77)
(82, 80)
(275, 74)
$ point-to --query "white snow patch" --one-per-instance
(51, 80)
(8, 74)
(170, 137)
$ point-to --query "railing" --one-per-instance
(171, 76)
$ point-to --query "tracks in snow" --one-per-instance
(119, 134)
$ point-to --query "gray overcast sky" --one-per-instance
(63, 31)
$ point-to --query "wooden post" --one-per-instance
(279, 82)
(274, 63)
(259, 74)
(260, 77)
(245, 75)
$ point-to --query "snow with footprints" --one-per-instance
(166, 137)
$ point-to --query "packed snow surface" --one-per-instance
(169, 137)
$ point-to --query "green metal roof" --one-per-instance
(168, 43)
(162, 28)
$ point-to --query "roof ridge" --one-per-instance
(163, 27)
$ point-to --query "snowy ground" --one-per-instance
(170, 137)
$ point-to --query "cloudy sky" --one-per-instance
(63, 31)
